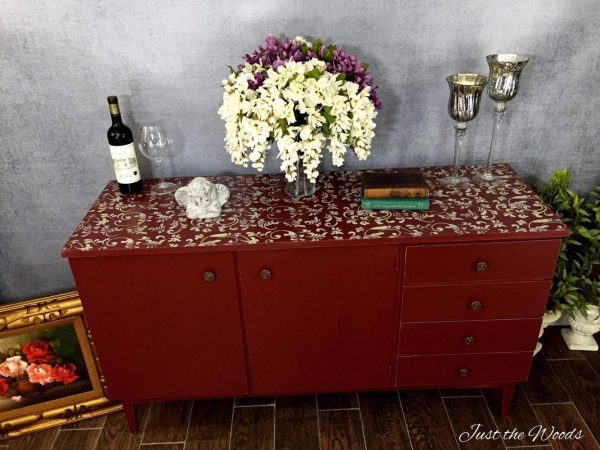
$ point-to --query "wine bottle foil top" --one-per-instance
(112, 100)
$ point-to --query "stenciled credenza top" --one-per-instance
(259, 213)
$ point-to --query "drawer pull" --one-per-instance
(481, 266)
(464, 373)
(266, 274)
(209, 276)
(469, 340)
(476, 305)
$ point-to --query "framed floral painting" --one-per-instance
(48, 370)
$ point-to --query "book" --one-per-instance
(416, 204)
(404, 184)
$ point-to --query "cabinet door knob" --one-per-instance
(476, 305)
(266, 274)
(209, 276)
(464, 372)
(469, 340)
(481, 266)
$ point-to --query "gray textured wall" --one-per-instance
(60, 59)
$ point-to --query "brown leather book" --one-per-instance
(404, 184)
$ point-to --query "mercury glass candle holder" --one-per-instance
(503, 86)
(463, 106)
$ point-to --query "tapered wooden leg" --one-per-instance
(129, 410)
(508, 390)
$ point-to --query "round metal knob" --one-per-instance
(266, 274)
(476, 305)
(464, 372)
(209, 276)
(469, 340)
(481, 266)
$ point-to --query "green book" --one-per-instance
(416, 204)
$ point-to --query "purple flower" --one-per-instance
(259, 79)
(276, 52)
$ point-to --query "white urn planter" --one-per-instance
(580, 335)
(549, 318)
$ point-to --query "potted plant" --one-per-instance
(576, 283)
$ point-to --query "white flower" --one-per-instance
(306, 131)
(298, 113)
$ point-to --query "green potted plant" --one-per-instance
(576, 283)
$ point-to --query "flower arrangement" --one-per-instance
(31, 368)
(303, 96)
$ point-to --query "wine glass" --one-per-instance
(156, 146)
(505, 70)
(463, 106)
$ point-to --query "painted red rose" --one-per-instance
(65, 374)
(3, 387)
(38, 352)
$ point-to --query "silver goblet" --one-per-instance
(505, 71)
(463, 106)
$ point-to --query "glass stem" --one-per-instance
(460, 130)
(162, 175)
(498, 114)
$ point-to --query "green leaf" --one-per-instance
(341, 76)
(329, 53)
(283, 124)
(315, 73)
(561, 176)
(231, 69)
(304, 49)
(365, 66)
(584, 232)
(317, 46)
(326, 129)
(329, 118)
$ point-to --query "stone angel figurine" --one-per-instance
(202, 199)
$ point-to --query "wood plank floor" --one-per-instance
(563, 392)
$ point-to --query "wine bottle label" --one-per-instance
(125, 162)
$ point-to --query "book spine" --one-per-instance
(396, 192)
(417, 204)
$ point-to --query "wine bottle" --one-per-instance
(122, 151)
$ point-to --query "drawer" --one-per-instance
(474, 336)
(457, 370)
(497, 261)
(475, 301)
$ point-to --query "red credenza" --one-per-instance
(283, 296)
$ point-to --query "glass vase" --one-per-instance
(301, 186)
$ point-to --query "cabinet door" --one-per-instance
(163, 329)
(322, 320)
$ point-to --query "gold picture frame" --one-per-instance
(49, 372)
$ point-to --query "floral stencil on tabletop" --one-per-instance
(305, 97)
